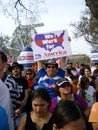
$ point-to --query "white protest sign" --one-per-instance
(51, 45)
(94, 56)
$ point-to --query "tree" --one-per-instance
(4, 42)
(21, 10)
(21, 38)
(93, 6)
(87, 28)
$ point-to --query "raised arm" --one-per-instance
(40, 65)
(62, 64)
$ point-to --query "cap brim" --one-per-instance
(62, 83)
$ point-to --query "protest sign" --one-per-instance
(51, 45)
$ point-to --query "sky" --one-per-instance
(60, 14)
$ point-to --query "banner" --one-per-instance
(26, 57)
(51, 45)
(94, 56)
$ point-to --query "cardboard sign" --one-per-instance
(51, 45)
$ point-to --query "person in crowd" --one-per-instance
(63, 90)
(95, 79)
(5, 100)
(68, 116)
(3, 119)
(69, 75)
(87, 91)
(70, 66)
(77, 66)
(39, 118)
(12, 87)
(48, 74)
(6, 69)
(93, 117)
(87, 73)
(82, 67)
(22, 88)
(34, 67)
(94, 66)
(30, 74)
(72, 78)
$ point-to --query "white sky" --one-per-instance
(59, 16)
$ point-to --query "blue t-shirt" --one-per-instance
(47, 82)
(3, 119)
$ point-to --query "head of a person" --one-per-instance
(93, 117)
(82, 66)
(34, 67)
(96, 65)
(16, 69)
(30, 73)
(41, 101)
(51, 67)
(69, 65)
(84, 82)
(63, 87)
(68, 72)
(68, 116)
(87, 71)
(3, 60)
(77, 65)
(6, 70)
(95, 73)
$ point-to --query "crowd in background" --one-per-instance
(48, 96)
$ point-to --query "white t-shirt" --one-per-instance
(89, 95)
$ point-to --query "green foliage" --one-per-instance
(78, 59)
(20, 39)
(4, 42)
(93, 6)
(87, 28)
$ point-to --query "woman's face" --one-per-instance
(65, 89)
(75, 125)
(40, 106)
(87, 72)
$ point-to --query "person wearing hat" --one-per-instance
(64, 91)
(23, 90)
(48, 74)
(93, 117)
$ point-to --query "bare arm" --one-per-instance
(21, 125)
(63, 59)
(40, 65)
(24, 101)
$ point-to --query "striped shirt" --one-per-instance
(12, 86)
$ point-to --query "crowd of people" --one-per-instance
(50, 97)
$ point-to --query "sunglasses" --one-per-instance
(65, 85)
(52, 66)
(28, 73)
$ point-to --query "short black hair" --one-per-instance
(3, 56)
(66, 111)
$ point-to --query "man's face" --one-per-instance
(16, 71)
(51, 70)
